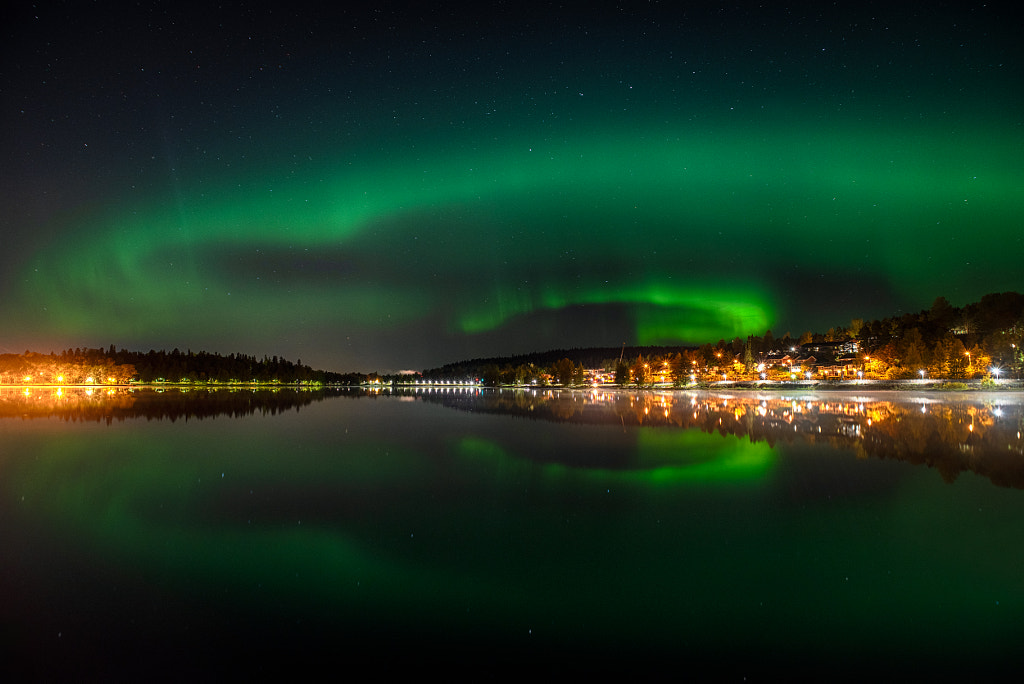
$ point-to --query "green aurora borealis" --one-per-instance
(675, 194)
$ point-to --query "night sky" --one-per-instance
(400, 187)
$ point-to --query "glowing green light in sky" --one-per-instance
(694, 231)
(665, 314)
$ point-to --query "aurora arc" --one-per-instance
(685, 227)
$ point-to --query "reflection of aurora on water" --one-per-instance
(523, 523)
(952, 433)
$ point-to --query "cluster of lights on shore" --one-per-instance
(761, 369)
(762, 374)
(59, 380)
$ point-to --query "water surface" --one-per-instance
(164, 534)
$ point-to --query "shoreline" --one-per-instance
(874, 385)
(931, 386)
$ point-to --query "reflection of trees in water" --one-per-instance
(954, 437)
(108, 405)
(951, 434)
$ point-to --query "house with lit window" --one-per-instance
(846, 368)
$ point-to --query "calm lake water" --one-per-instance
(153, 535)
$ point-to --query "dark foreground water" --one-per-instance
(207, 535)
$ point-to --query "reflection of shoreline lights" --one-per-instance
(655, 409)
(438, 389)
(85, 404)
(855, 417)
(40, 397)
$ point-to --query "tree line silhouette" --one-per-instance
(120, 366)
